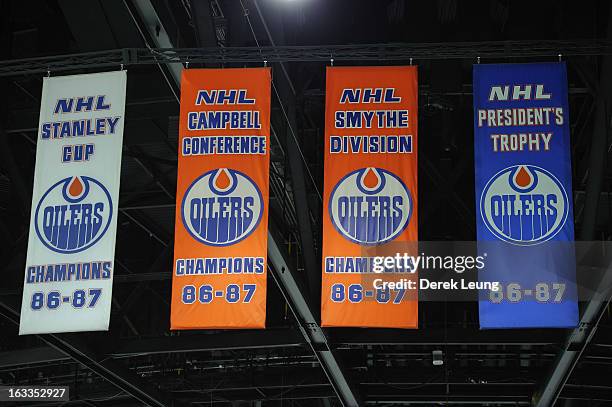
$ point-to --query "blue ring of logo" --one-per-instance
(518, 242)
(198, 238)
(382, 173)
(87, 246)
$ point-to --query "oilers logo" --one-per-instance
(524, 205)
(221, 207)
(370, 206)
(73, 214)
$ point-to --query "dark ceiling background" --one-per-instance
(277, 366)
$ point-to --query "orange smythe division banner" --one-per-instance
(370, 198)
(221, 231)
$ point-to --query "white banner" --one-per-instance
(73, 223)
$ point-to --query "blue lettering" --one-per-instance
(350, 96)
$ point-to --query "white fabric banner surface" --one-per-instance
(73, 223)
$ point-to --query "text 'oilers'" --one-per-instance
(370, 206)
(73, 214)
(524, 205)
(222, 207)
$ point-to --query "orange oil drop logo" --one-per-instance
(370, 179)
(222, 179)
(76, 187)
(522, 178)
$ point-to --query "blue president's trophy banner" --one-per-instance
(524, 212)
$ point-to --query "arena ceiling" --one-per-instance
(294, 361)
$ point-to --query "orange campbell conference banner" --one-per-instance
(221, 231)
(370, 197)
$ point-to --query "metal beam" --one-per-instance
(285, 92)
(203, 22)
(157, 32)
(342, 337)
(73, 347)
(323, 53)
(576, 343)
(580, 337)
(222, 341)
(168, 187)
(286, 279)
(107, 369)
(31, 356)
(292, 290)
(280, 338)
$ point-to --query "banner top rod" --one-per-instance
(360, 52)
